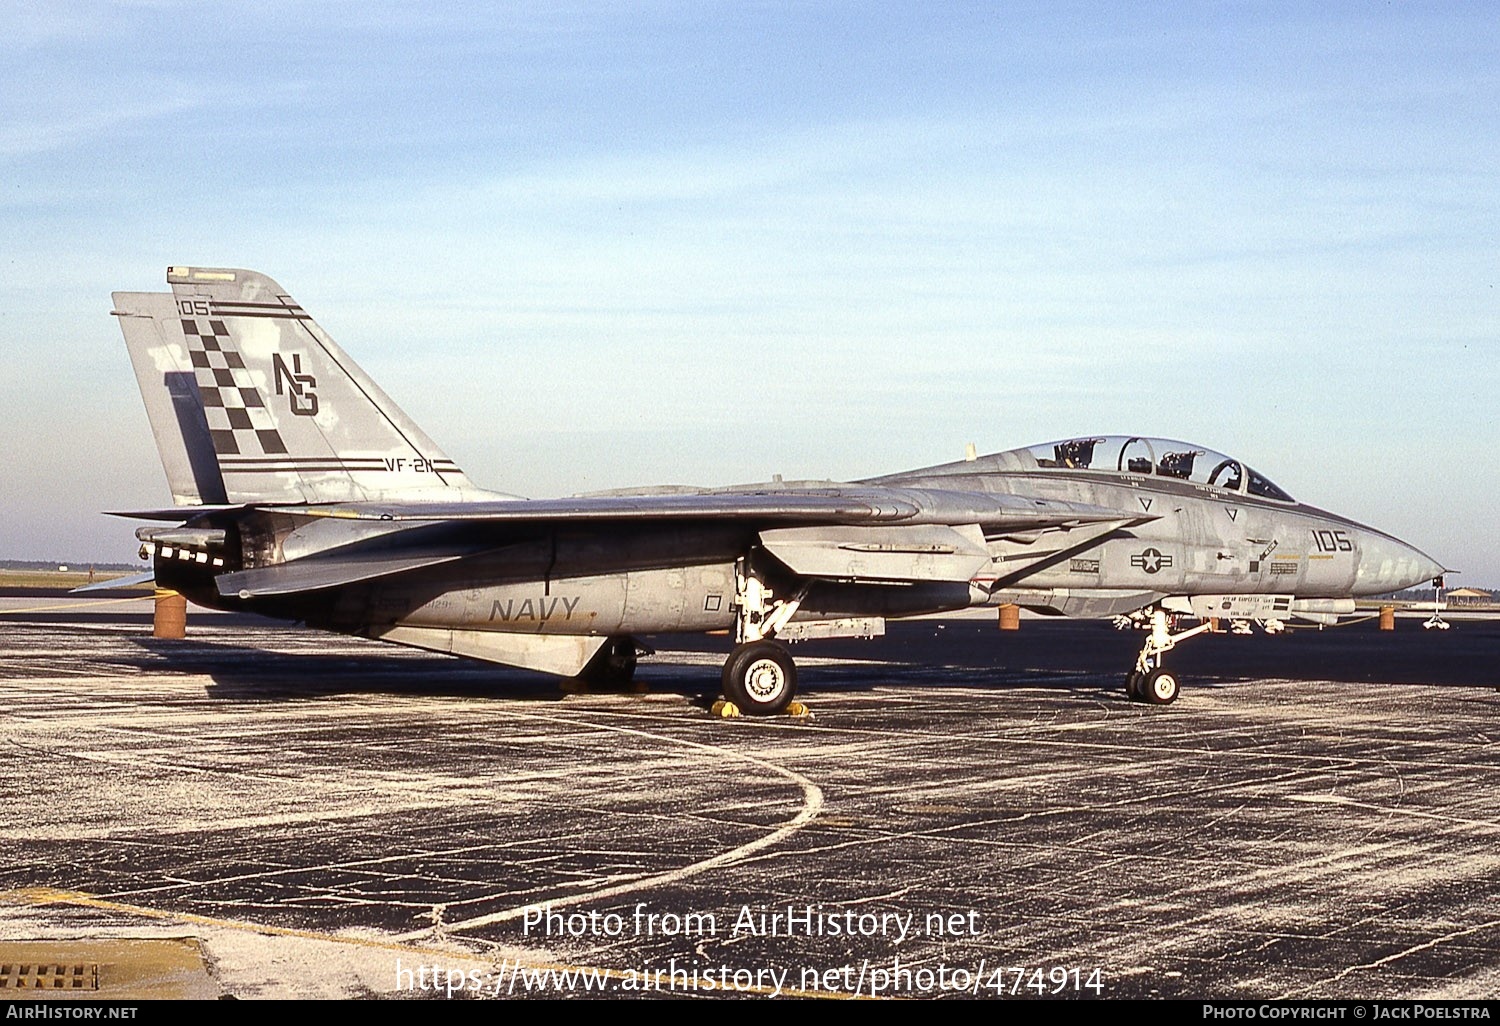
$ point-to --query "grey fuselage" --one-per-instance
(302, 491)
(1180, 537)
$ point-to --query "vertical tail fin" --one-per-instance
(251, 401)
(170, 390)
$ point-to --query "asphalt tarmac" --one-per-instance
(965, 812)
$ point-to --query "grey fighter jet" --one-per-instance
(303, 492)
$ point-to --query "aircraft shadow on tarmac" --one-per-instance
(1465, 655)
(1067, 655)
(242, 672)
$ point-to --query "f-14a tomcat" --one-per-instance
(303, 492)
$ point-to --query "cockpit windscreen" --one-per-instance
(1154, 457)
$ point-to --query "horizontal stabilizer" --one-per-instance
(175, 514)
(115, 583)
(315, 573)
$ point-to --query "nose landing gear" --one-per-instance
(1158, 687)
(1149, 681)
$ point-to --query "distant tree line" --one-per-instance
(1429, 594)
(53, 564)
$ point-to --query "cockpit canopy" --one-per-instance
(1152, 457)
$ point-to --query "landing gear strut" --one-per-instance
(759, 676)
(1436, 621)
(1150, 681)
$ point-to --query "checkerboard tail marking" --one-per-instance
(238, 421)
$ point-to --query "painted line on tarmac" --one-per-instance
(83, 604)
(812, 804)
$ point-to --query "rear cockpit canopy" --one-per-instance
(1147, 457)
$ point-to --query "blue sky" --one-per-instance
(596, 245)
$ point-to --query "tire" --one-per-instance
(760, 678)
(1133, 685)
(1160, 687)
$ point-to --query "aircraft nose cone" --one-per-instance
(1388, 564)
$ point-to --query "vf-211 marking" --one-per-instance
(401, 464)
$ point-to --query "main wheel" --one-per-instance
(1160, 687)
(1133, 685)
(760, 678)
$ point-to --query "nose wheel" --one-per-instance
(1156, 687)
(1150, 681)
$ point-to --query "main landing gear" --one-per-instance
(759, 678)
